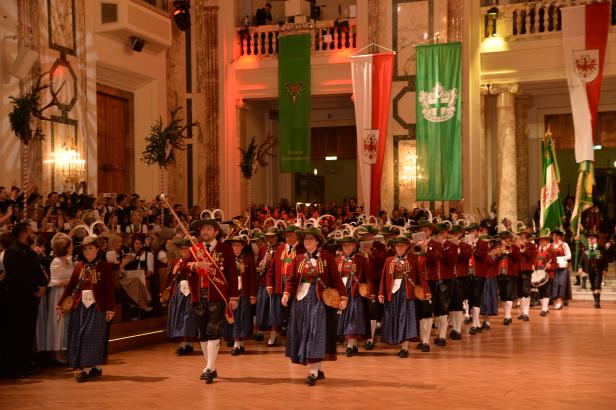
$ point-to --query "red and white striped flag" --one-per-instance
(585, 31)
(372, 77)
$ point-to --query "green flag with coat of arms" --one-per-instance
(439, 122)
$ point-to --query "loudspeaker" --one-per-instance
(23, 63)
(137, 44)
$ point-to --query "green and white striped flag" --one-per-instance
(583, 194)
(551, 214)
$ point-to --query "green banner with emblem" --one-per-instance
(439, 122)
(294, 103)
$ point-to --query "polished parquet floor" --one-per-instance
(565, 360)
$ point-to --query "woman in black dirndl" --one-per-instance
(241, 329)
(354, 270)
(311, 336)
(181, 321)
(396, 292)
(92, 288)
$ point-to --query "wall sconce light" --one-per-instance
(490, 22)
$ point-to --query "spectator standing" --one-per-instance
(25, 285)
(264, 15)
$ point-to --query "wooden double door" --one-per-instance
(114, 129)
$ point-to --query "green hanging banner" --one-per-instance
(439, 122)
(294, 103)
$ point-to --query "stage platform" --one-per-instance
(565, 360)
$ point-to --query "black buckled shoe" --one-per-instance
(474, 330)
(180, 351)
(82, 376)
(311, 380)
(188, 350)
(94, 372)
(543, 312)
(203, 375)
(403, 354)
(521, 317)
(259, 337)
(425, 348)
(485, 326)
(321, 375)
(349, 352)
(209, 376)
(507, 321)
(467, 320)
(526, 318)
(369, 345)
(236, 351)
(440, 341)
(455, 335)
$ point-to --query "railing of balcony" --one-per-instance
(327, 35)
(533, 17)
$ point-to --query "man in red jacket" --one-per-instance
(528, 256)
(508, 272)
(217, 292)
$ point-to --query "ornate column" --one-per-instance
(206, 102)
(484, 197)
(176, 96)
(506, 164)
(522, 103)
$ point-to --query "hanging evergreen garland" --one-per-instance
(163, 140)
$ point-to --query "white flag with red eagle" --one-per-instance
(585, 30)
(372, 77)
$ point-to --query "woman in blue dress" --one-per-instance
(311, 336)
(181, 322)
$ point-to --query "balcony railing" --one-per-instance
(327, 35)
(530, 18)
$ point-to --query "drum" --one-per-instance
(539, 278)
(331, 297)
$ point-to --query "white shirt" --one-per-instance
(135, 229)
(162, 256)
(146, 260)
(112, 257)
(212, 245)
(60, 271)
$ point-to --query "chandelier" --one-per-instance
(70, 165)
(410, 172)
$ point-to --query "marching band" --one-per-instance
(321, 287)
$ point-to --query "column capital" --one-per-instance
(484, 89)
(511, 88)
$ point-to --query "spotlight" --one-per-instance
(137, 44)
(181, 14)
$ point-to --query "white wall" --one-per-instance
(144, 75)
